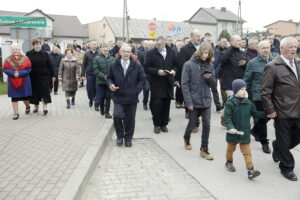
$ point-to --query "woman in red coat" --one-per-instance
(17, 67)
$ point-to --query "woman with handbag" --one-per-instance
(17, 67)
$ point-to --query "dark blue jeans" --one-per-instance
(146, 92)
(91, 86)
(103, 97)
(193, 120)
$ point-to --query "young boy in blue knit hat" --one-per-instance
(237, 114)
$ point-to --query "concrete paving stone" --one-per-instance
(38, 151)
(149, 179)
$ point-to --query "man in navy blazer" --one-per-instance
(125, 79)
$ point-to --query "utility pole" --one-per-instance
(239, 22)
(124, 18)
(127, 21)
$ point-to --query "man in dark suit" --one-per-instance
(160, 63)
(125, 79)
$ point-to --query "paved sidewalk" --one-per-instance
(143, 172)
(38, 154)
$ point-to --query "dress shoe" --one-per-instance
(219, 108)
(128, 144)
(145, 106)
(289, 175)
(164, 129)
(36, 109)
(97, 108)
(119, 142)
(27, 110)
(266, 148)
(45, 112)
(102, 110)
(16, 116)
(90, 104)
(107, 115)
(156, 129)
(275, 159)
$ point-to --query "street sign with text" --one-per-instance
(12, 21)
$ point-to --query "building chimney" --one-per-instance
(223, 9)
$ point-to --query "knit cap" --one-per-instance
(238, 84)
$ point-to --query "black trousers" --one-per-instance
(260, 125)
(124, 120)
(55, 85)
(287, 133)
(160, 109)
(205, 113)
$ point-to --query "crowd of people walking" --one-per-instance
(258, 78)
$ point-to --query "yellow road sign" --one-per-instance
(152, 35)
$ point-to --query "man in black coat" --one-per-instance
(125, 79)
(88, 72)
(55, 58)
(115, 50)
(160, 63)
(234, 62)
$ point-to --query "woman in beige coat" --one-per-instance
(69, 74)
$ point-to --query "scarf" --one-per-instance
(15, 64)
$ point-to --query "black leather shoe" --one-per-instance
(45, 112)
(164, 129)
(102, 111)
(27, 111)
(108, 116)
(36, 109)
(266, 148)
(16, 116)
(156, 129)
(90, 104)
(128, 144)
(275, 159)
(219, 108)
(119, 142)
(290, 175)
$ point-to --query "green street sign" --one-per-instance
(11, 21)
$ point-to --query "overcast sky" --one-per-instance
(257, 13)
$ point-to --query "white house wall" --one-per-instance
(203, 28)
(203, 16)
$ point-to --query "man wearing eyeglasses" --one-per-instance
(125, 79)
